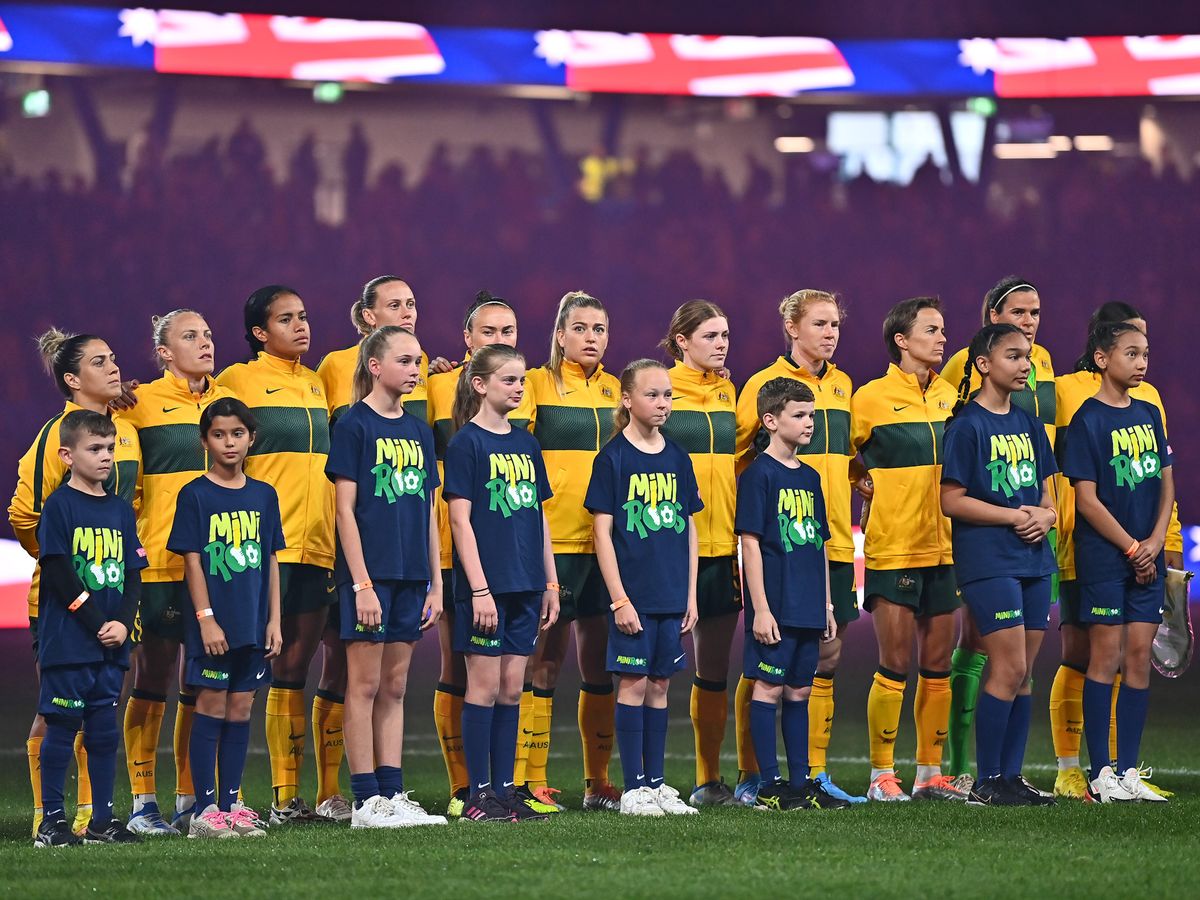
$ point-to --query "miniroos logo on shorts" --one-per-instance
(67, 703)
(490, 643)
(1007, 615)
(363, 629)
(1106, 611)
(214, 674)
(771, 670)
(631, 660)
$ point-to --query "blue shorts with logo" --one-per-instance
(401, 603)
(516, 628)
(1008, 601)
(656, 650)
(238, 671)
(74, 690)
(793, 661)
(1118, 602)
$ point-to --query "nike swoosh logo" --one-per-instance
(142, 762)
(534, 733)
(331, 588)
(452, 737)
(894, 408)
(261, 675)
(603, 737)
(828, 719)
(680, 657)
(168, 409)
(967, 712)
(508, 784)
(333, 731)
(273, 390)
(889, 732)
(480, 787)
(296, 737)
(209, 793)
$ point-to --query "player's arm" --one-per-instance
(1097, 515)
(830, 621)
(625, 615)
(766, 629)
(366, 602)
(482, 602)
(60, 584)
(693, 612)
(274, 635)
(957, 505)
(211, 633)
(748, 427)
(433, 599)
(1149, 547)
(550, 597)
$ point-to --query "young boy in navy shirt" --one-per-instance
(91, 582)
(783, 528)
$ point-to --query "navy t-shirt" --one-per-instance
(235, 531)
(505, 479)
(99, 536)
(650, 497)
(1003, 460)
(393, 463)
(1123, 450)
(785, 509)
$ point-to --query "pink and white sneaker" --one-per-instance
(212, 823)
(245, 822)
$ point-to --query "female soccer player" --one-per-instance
(504, 577)
(489, 320)
(812, 325)
(287, 400)
(166, 416)
(703, 422)
(84, 368)
(1119, 463)
(1066, 694)
(910, 591)
(382, 464)
(1015, 301)
(996, 489)
(571, 400)
(643, 496)
(227, 530)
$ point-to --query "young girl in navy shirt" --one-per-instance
(1119, 462)
(643, 496)
(382, 462)
(505, 581)
(227, 529)
(996, 491)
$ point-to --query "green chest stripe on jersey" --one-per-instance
(167, 449)
(39, 473)
(701, 432)
(126, 472)
(832, 439)
(572, 427)
(900, 445)
(290, 429)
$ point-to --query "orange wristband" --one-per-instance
(363, 585)
(553, 586)
(617, 604)
(1133, 548)
(78, 601)
(204, 614)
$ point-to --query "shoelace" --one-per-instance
(216, 819)
(245, 817)
(889, 784)
(940, 781)
(405, 801)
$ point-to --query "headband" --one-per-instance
(494, 301)
(1016, 287)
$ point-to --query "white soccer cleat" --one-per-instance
(1108, 787)
(336, 807)
(671, 804)
(1133, 784)
(405, 807)
(212, 823)
(641, 801)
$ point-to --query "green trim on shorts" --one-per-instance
(842, 592)
(305, 588)
(1068, 603)
(162, 610)
(584, 592)
(926, 590)
(718, 587)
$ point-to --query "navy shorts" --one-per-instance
(238, 671)
(1007, 601)
(73, 690)
(516, 629)
(1118, 602)
(656, 650)
(793, 661)
(401, 602)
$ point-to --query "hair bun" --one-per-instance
(49, 343)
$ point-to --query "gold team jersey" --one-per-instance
(571, 425)
(898, 427)
(336, 372)
(290, 450)
(1038, 399)
(829, 450)
(1071, 391)
(441, 389)
(40, 472)
(167, 419)
(703, 422)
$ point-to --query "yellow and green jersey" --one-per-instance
(167, 419)
(829, 450)
(571, 424)
(41, 471)
(290, 450)
(440, 409)
(703, 422)
(336, 372)
(898, 428)
(1038, 399)
(1071, 391)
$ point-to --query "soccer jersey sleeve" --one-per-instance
(960, 453)
(543, 480)
(459, 467)
(819, 507)
(1160, 435)
(276, 527)
(54, 529)
(751, 502)
(1079, 459)
(601, 489)
(185, 529)
(135, 553)
(345, 449)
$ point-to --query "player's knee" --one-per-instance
(794, 694)
(545, 673)
(765, 692)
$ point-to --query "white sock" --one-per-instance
(875, 773)
(140, 800)
(924, 773)
(184, 802)
(1068, 762)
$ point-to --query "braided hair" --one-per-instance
(1102, 337)
(982, 344)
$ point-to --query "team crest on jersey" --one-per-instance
(723, 397)
(606, 392)
(942, 404)
(316, 390)
(839, 393)
(125, 442)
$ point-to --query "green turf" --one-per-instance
(906, 851)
